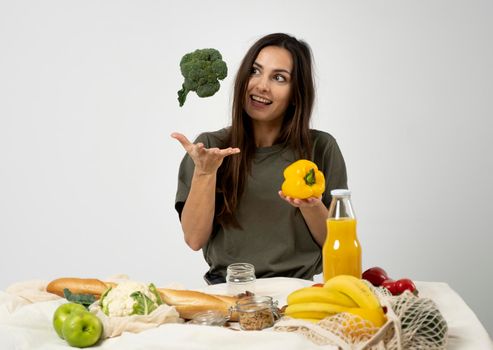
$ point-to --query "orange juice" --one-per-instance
(341, 251)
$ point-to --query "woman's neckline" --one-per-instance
(269, 149)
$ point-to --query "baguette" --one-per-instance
(78, 285)
(187, 302)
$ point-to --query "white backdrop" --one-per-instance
(88, 99)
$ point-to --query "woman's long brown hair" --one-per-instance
(294, 132)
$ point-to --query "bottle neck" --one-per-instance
(341, 207)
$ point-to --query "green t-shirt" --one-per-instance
(273, 236)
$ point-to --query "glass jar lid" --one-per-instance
(254, 303)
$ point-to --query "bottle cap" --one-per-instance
(340, 192)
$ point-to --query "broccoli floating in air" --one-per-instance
(201, 70)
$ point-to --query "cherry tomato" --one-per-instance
(391, 286)
(405, 284)
(375, 275)
(398, 287)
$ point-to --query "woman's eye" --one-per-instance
(255, 70)
(279, 77)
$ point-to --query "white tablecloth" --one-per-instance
(29, 325)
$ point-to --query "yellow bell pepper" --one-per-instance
(303, 180)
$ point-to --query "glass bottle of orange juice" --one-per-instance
(341, 251)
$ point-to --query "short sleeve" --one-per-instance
(328, 157)
(337, 175)
(185, 173)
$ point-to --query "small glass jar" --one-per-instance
(256, 312)
(209, 318)
(240, 278)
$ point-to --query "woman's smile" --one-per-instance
(258, 102)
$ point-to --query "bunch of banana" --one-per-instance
(342, 293)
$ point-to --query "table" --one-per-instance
(25, 325)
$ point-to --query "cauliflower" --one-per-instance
(130, 298)
(201, 69)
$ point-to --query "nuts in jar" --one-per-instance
(256, 312)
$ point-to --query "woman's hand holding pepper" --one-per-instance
(206, 160)
(301, 203)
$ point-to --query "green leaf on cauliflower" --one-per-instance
(104, 306)
(154, 291)
(143, 304)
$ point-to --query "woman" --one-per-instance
(228, 194)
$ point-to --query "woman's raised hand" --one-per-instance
(207, 160)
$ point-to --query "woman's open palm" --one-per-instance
(206, 160)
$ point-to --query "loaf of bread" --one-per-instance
(187, 302)
(78, 285)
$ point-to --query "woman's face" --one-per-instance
(269, 88)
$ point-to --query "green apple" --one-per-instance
(62, 313)
(82, 329)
